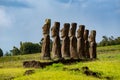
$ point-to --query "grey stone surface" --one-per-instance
(56, 46)
(86, 44)
(46, 40)
(73, 41)
(65, 49)
(80, 41)
(93, 45)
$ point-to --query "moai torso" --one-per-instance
(73, 41)
(56, 46)
(86, 44)
(65, 49)
(93, 45)
(46, 40)
(80, 42)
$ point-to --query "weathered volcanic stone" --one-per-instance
(80, 41)
(93, 44)
(65, 49)
(46, 40)
(73, 41)
(56, 46)
(86, 45)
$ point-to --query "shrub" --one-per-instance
(8, 54)
(1, 52)
(29, 47)
(106, 41)
(15, 51)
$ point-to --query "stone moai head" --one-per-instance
(46, 27)
(80, 31)
(86, 33)
(55, 29)
(92, 36)
(72, 29)
(65, 30)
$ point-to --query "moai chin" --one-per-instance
(73, 41)
(56, 47)
(93, 45)
(80, 42)
(65, 49)
(46, 40)
(86, 44)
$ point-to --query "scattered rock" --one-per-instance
(38, 64)
(109, 78)
(74, 69)
(85, 70)
(110, 56)
(88, 72)
(29, 72)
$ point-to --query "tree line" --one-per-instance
(25, 48)
(30, 48)
(107, 41)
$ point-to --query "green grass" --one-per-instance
(108, 49)
(107, 64)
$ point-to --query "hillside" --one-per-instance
(106, 67)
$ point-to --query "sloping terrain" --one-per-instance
(106, 67)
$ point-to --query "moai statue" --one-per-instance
(93, 45)
(86, 44)
(73, 41)
(65, 49)
(46, 40)
(80, 42)
(56, 46)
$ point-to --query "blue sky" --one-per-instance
(22, 20)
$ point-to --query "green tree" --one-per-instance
(8, 53)
(15, 51)
(104, 41)
(109, 41)
(1, 52)
(29, 48)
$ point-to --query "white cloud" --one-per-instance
(29, 20)
(5, 19)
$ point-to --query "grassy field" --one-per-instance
(107, 65)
